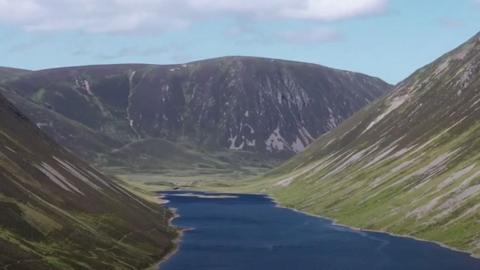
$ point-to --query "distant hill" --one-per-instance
(266, 106)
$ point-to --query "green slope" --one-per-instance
(56, 212)
(408, 164)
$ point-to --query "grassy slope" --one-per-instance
(59, 213)
(415, 172)
(156, 164)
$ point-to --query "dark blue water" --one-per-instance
(249, 232)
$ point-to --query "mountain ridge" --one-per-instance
(9, 73)
(230, 103)
(219, 58)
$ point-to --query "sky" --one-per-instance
(389, 39)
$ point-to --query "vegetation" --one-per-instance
(60, 213)
(186, 112)
(408, 164)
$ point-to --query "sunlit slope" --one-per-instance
(408, 164)
(56, 212)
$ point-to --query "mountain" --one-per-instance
(264, 106)
(407, 164)
(10, 73)
(57, 212)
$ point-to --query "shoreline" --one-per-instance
(334, 221)
(354, 228)
(176, 241)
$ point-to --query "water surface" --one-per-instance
(248, 232)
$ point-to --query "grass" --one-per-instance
(147, 183)
(401, 194)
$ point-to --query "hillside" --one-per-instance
(57, 212)
(407, 164)
(256, 105)
(7, 73)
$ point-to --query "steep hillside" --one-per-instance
(234, 103)
(408, 164)
(56, 212)
(80, 139)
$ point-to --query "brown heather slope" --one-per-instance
(57, 212)
(269, 107)
(11, 73)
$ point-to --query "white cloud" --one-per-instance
(112, 16)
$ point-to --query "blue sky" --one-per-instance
(385, 38)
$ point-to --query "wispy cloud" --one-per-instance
(175, 52)
(248, 34)
(310, 36)
(26, 45)
(132, 52)
(114, 16)
(451, 23)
